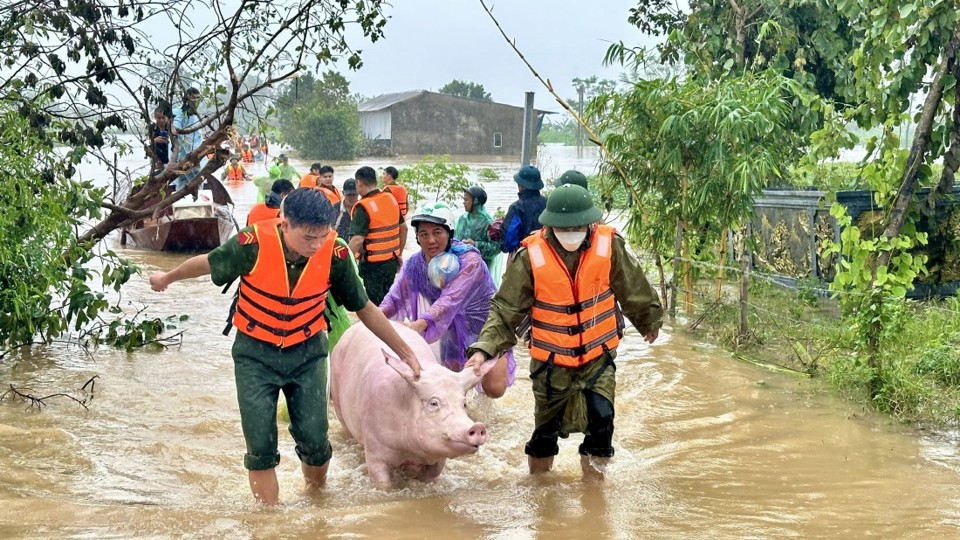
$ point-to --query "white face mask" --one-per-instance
(570, 241)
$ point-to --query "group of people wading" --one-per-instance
(568, 284)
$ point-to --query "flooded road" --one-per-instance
(707, 447)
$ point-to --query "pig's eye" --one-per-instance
(434, 403)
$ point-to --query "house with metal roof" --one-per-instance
(421, 122)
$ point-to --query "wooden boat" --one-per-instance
(187, 225)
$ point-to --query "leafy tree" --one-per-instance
(592, 87)
(319, 117)
(807, 40)
(694, 157)
(909, 49)
(869, 61)
(77, 75)
(465, 89)
(438, 176)
(558, 131)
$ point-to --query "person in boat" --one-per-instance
(287, 265)
(235, 172)
(186, 118)
(377, 235)
(447, 307)
(572, 271)
(312, 178)
(270, 208)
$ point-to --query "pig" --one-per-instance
(404, 425)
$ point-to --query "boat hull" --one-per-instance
(195, 234)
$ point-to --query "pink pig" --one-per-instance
(407, 425)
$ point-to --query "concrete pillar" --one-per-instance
(526, 143)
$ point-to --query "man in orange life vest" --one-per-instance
(234, 171)
(270, 208)
(326, 186)
(246, 154)
(576, 325)
(390, 185)
(287, 267)
(312, 178)
(378, 234)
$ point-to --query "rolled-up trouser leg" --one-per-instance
(599, 439)
(257, 393)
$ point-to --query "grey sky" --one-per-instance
(431, 42)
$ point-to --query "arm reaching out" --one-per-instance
(191, 268)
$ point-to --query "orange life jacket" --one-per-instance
(246, 155)
(382, 242)
(574, 321)
(262, 212)
(333, 194)
(310, 180)
(400, 194)
(235, 173)
(267, 309)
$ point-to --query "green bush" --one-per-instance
(330, 134)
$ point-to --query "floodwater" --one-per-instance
(707, 447)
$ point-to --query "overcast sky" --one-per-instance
(428, 43)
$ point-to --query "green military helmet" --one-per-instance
(570, 206)
(571, 177)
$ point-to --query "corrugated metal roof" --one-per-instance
(386, 100)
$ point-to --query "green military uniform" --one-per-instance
(262, 370)
(561, 400)
(377, 276)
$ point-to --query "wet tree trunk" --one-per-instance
(677, 245)
(918, 150)
(743, 329)
(721, 262)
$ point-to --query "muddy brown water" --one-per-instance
(707, 447)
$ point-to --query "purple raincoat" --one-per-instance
(456, 313)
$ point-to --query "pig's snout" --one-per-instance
(477, 434)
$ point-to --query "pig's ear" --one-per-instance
(399, 366)
(469, 379)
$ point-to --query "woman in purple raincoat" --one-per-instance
(453, 312)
